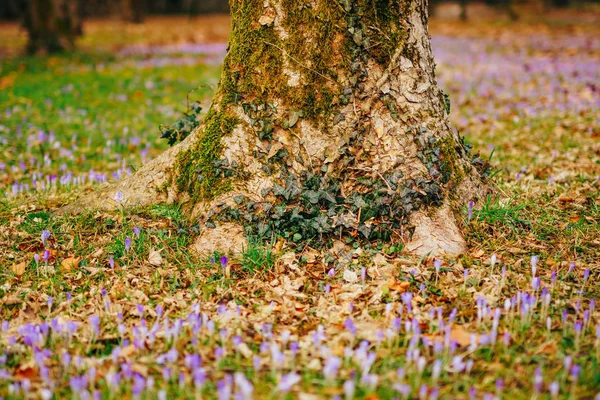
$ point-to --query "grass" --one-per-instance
(275, 315)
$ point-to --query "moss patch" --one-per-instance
(200, 172)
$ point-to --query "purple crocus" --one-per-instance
(349, 324)
(287, 382)
(349, 389)
(127, 244)
(95, 325)
(224, 260)
(534, 262)
(45, 237)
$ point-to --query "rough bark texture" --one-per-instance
(327, 122)
(52, 25)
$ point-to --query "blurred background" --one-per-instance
(85, 86)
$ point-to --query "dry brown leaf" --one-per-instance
(457, 333)
(26, 371)
(19, 269)
(12, 300)
(69, 264)
(350, 276)
(154, 258)
(461, 335)
(478, 254)
(398, 286)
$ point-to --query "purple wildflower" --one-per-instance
(224, 260)
(45, 236)
(287, 382)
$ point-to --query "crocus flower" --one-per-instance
(243, 386)
(534, 262)
(287, 382)
(127, 244)
(223, 261)
(332, 365)
(349, 324)
(349, 389)
(437, 264)
(45, 237)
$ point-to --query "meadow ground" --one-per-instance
(108, 305)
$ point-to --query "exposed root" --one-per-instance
(226, 238)
(436, 233)
(151, 184)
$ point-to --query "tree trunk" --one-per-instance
(133, 11)
(463, 9)
(511, 12)
(327, 122)
(52, 25)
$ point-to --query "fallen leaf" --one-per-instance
(12, 300)
(70, 264)
(398, 286)
(19, 269)
(154, 258)
(350, 276)
(461, 335)
(547, 348)
(457, 333)
(25, 371)
(478, 254)
(245, 350)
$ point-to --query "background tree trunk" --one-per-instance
(327, 122)
(463, 9)
(133, 10)
(52, 25)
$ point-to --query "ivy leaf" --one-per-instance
(365, 230)
(312, 196)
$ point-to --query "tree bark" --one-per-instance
(463, 9)
(52, 25)
(327, 122)
(133, 11)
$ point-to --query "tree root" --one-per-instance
(151, 184)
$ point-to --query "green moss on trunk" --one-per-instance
(327, 43)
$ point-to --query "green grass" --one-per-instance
(103, 111)
(90, 108)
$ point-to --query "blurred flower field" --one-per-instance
(108, 305)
